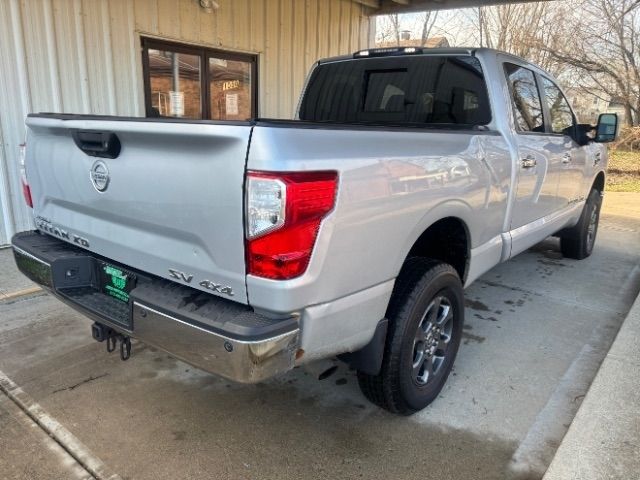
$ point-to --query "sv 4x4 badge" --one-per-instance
(208, 284)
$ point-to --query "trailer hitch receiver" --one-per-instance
(101, 333)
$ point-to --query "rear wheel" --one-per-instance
(425, 315)
(578, 242)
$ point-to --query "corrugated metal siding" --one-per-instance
(83, 56)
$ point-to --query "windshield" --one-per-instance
(423, 89)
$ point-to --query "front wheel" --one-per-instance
(578, 242)
(425, 315)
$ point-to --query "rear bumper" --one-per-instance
(217, 335)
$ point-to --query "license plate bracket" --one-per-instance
(115, 281)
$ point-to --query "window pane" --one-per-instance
(411, 90)
(561, 116)
(230, 89)
(526, 99)
(175, 84)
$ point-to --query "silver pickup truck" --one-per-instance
(249, 248)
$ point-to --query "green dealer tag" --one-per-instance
(116, 283)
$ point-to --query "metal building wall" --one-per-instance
(83, 56)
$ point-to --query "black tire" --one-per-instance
(399, 387)
(578, 241)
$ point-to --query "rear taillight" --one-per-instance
(284, 212)
(26, 190)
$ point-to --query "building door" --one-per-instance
(187, 81)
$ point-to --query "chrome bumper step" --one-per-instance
(212, 333)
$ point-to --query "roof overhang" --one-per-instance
(384, 7)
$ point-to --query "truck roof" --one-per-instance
(410, 50)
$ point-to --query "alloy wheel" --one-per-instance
(432, 339)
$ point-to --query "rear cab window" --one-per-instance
(411, 90)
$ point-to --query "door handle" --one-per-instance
(566, 158)
(97, 143)
(597, 159)
(528, 162)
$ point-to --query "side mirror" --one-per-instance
(607, 127)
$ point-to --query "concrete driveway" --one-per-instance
(537, 329)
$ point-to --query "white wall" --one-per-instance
(83, 56)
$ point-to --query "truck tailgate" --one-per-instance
(170, 203)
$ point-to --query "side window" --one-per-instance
(560, 112)
(526, 98)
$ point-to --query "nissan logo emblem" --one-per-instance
(100, 176)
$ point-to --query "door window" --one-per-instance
(186, 81)
(559, 109)
(526, 98)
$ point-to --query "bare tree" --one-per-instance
(394, 20)
(590, 44)
(521, 29)
(605, 50)
(427, 21)
(390, 28)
